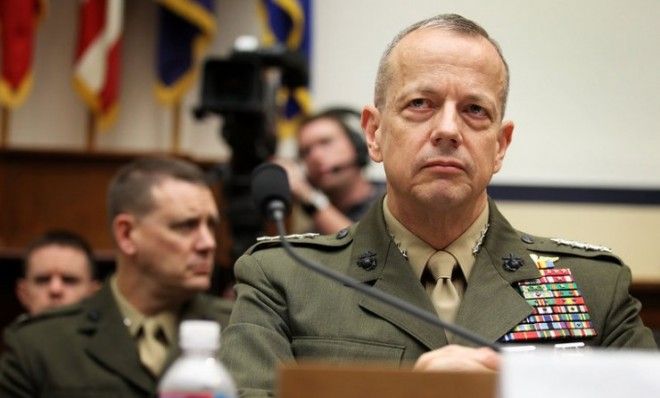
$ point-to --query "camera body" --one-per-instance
(242, 89)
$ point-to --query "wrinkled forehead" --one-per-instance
(320, 126)
(180, 198)
(320, 130)
(436, 49)
(57, 259)
(441, 46)
(169, 189)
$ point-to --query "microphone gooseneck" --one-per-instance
(275, 207)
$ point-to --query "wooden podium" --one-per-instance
(327, 381)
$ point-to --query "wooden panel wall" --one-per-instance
(40, 190)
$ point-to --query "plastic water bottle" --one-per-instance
(197, 373)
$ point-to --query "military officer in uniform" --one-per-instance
(117, 342)
(58, 269)
(435, 240)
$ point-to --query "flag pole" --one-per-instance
(4, 128)
(176, 127)
(91, 131)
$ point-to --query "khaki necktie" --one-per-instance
(445, 295)
(152, 346)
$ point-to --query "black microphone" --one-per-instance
(268, 190)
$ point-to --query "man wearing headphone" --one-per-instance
(331, 187)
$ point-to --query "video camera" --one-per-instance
(242, 88)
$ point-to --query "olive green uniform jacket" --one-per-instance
(85, 350)
(285, 312)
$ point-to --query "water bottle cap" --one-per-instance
(199, 335)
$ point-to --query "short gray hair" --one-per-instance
(130, 188)
(450, 22)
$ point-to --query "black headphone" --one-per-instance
(343, 116)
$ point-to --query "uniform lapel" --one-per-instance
(492, 305)
(110, 342)
(392, 274)
(196, 308)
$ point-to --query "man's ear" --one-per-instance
(371, 126)
(123, 228)
(94, 286)
(22, 293)
(503, 142)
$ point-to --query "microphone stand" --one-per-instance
(277, 210)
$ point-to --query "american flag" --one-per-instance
(98, 57)
(18, 24)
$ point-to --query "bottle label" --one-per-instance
(196, 394)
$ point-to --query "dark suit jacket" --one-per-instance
(84, 350)
(285, 312)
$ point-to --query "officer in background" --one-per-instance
(331, 186)
(58, 269)
(436, 240)
(117, 343)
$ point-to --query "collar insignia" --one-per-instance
(480, 240)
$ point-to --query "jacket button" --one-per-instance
(93, 316)
(527, 239)
(342, 234)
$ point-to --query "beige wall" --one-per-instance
(632, 232)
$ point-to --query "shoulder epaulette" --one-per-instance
(289, 237)
(26, 319)
(337, 240)
(581, 245)
(565, 246)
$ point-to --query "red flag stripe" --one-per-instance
(98, 56)
(110, 92)
(18, 22)
(92, 22)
